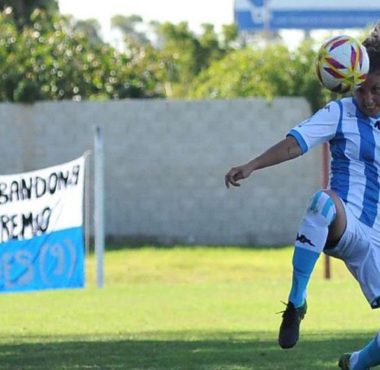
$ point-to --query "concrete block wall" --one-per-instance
(165, 163)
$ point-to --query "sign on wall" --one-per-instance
(41, 228)
(255, 15)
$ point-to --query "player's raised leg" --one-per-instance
(364, 359)
(311, 239)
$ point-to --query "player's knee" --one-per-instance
(322, 205)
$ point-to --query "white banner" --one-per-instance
(41, 232)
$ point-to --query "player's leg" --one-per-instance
(361, 253)
(323, 220)
(323, 223)
(363, 359)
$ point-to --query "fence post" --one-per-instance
(325, 182)
(99, 205)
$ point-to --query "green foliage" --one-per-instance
(49, 57)
(51, 60)
(23, 9)
(90, 28)
(268, 72)
(128, 26)
(185, 54)
(245, 73)
(305, 79)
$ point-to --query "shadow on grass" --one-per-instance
(135, 245)
(190, 351)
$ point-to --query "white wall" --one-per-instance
(165, 164)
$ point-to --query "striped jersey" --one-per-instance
(355, 155)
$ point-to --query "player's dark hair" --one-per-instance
(372, 44)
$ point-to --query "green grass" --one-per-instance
(184, 308)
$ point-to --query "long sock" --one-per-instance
(303, 265)
(311, 239)
(367, 357)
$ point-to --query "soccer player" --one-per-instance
(344, 220)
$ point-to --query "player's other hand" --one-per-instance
(235, 174)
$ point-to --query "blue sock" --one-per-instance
(309, 244)
(303, 265)
(368, 356)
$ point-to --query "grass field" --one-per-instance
(184, 308)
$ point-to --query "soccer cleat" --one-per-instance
(290, 326)
(344, 361)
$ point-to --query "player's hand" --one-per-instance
(235, 174)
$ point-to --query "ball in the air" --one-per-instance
(342, 64)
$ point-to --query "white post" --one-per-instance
(99, 206)
(87, 211)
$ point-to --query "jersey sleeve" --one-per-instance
(319, 128)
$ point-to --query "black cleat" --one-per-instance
(290, 326)
(344, 361)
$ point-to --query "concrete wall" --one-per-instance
(165, 164)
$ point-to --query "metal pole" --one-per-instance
(325, 182)
(99, 206)
(87, 211)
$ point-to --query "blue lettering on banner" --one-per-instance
(49, 261)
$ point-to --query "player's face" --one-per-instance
(368, 95)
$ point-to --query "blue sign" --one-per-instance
(50, 261)
(256, 15)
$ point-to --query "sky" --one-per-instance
(195, 12)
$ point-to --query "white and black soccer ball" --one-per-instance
(342, 64)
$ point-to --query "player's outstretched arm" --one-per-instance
(280, 152)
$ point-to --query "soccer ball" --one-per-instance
(342, 64)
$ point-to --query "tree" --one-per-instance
(54, 57)
(230, 37)
(23, 9)
(50, 60)
(268, 72)
(185, 54)
(306, 83)
(128, 25)
(90, 28)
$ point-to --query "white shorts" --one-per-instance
(361, 256)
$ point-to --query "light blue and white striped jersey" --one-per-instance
(355, 155)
